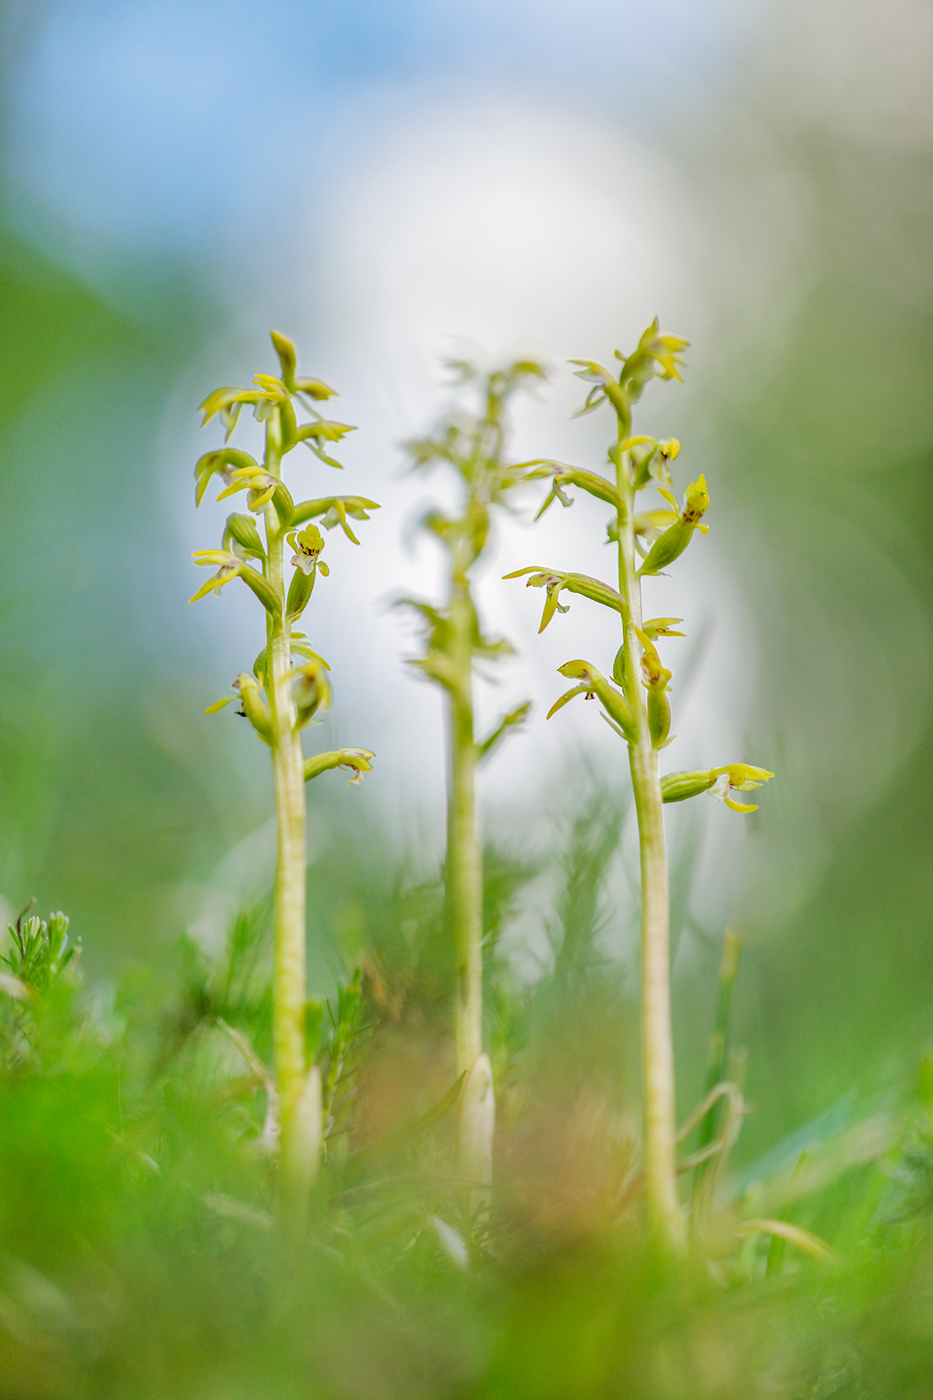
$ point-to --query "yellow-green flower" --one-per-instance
(307, 545)
(738, 777)
(311, 690)
(718, 782)
(687, 518)
(258, 483)
(228, 567)
(357, 762)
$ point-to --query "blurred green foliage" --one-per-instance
(138, 1254)
(96, 810)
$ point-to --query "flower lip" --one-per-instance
(307, 545)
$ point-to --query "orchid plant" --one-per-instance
(635, 703)
(473, 445)
(286, 687)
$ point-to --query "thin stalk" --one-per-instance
(464, 858)
(464, 890)
(289, 984)
(454, 639)
(660, 1127)
(464, 894)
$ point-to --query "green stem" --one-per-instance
(660, 1130)
(464, 873)
(289, 981)
(464, 897)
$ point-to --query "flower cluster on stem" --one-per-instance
(286, 687)
(634, 702)
(473, 445)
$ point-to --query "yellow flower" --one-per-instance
(307, 546)
(228, 567)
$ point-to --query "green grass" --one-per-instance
(138, 1255)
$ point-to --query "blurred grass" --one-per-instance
(137, 1254)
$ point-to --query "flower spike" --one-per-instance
(635, 703)
(288, 685)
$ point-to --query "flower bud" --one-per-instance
(242, 530)
(311, 691)
(299, 594)
(287, 358)
(659, 716)
(263, 590)
(677, 787)
(254, 705)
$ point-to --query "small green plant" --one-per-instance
(39, 991)
(40, 954)
(473, 445)
(636, 706)
(283, 691)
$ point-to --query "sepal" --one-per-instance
(593, 682)
(324, 430)
(561, 476)
(335, 510)
(661, 627)
(227, 401)
(220, 463)
(357, 761)
(315, 389)
(262, 487)
(314, 434)
(556, 582)
(228, 567)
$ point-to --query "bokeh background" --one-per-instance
(385, 183)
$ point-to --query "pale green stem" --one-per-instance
(464, 858)
(289, 987)
(660, 1130)
(464, 895)
(464, 884)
